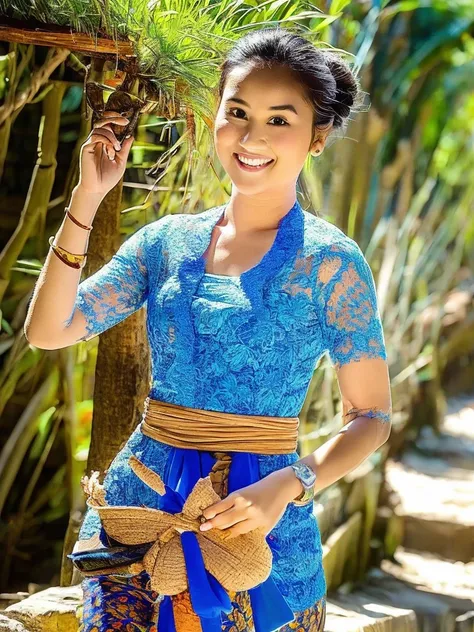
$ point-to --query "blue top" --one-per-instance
(245, 344)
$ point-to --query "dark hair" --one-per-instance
(330, 86)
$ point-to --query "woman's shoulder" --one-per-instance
(325, 239)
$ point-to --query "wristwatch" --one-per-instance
(308, 477)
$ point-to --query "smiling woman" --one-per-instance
(254, 131)
(242, 301)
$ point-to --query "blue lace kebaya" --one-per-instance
(244, 344)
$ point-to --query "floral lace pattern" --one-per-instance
(352, 325)
(247, 344)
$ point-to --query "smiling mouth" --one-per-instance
(246, 167)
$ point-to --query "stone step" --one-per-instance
(50, 610)
(436, 505)
(406, 597)
(431, 573)
(350, 613)
(455, 443)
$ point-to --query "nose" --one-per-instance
(254, 141)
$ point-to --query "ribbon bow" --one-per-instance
(238, 563)
(208, 563)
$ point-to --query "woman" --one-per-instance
(242, 301)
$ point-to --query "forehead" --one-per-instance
(264, 86)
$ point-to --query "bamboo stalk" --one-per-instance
(38, 79)
(17, 444)
(41, 183)
(60, 37)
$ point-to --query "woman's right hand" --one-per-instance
(103, 159)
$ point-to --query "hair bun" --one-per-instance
(347, 88)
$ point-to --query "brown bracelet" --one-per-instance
(70, 259)
(77, 222)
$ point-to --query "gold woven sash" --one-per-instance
(186, 427)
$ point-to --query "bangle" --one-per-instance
(77, 222)
(305, 498)
(70, 259)
(300, 496)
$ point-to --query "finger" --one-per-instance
(102, 149)
(98, 146)
(107, 133)
(225, 519)
(110, 113)
(116, 120)
(126, 144)
(239, 529)
(110, 152)
(221, 505)
(104, 146)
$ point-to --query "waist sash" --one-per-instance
(186, 427)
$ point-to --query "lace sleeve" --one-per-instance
(118, 289)
(353, 332)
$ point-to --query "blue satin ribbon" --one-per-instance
(209, 599)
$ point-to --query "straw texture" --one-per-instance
(238, 563)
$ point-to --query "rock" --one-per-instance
(434, 612)
(10, 625)
(51, 610)
(436, 505)
(350, 613)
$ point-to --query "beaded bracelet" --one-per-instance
(70, 259)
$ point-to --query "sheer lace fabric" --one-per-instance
(353, 326)
(247, 344)
(117, 289)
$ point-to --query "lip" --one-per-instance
(251, 156)
(249, 167)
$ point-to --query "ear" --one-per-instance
(318, 143)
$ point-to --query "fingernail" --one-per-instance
(128, 136)
(205, 526)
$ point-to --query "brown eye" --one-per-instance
(281, 119)
(232, 110)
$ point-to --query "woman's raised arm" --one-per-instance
(52, 321)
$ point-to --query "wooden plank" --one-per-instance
(61, 37)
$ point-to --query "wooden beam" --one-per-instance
(61, 37)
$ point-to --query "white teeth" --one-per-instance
(253, 163)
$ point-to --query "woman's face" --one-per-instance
(248, 122)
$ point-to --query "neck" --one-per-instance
(249, 214)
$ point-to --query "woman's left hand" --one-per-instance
(261, 504)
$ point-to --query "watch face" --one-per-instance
(306, 474)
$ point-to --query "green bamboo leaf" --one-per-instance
(337, 6)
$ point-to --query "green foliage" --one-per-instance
(399, 184)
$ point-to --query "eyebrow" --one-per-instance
(286, 106)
